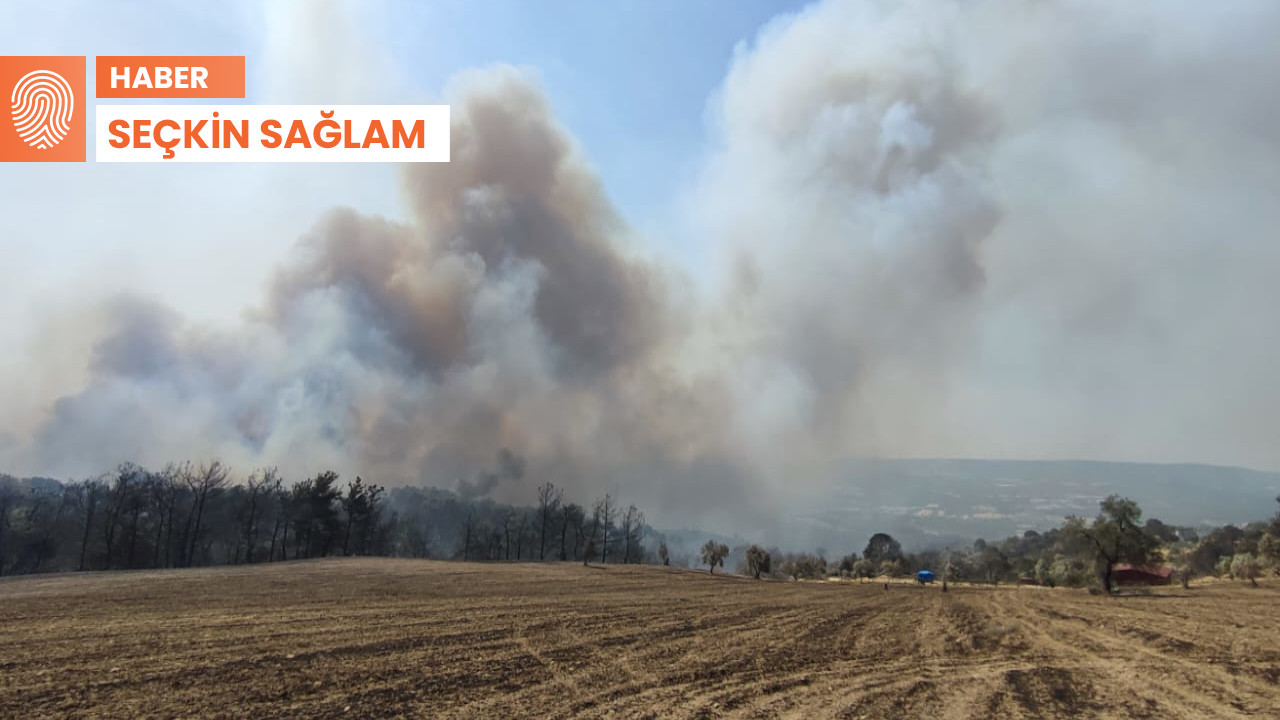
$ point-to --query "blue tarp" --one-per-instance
(924, 576)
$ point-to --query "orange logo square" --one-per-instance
(45, 104)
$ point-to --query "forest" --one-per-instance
(188, 515)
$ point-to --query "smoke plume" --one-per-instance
(940, 228)
(510, 467)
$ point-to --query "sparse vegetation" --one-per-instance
(804, 566)
(1246, 567)
(1115, 536)
(190, 515)
(713, 555)
(758, 561)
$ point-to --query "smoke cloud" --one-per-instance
(510, 467)
(940, 228)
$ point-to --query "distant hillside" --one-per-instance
(922, 503)
(931, 502)
(28, 484)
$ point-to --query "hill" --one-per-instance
(938, 501)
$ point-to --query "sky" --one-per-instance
(630, 81)
(764, 237)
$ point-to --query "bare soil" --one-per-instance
(400, 638)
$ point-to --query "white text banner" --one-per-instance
(272, 133)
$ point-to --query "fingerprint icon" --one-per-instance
(42, 107)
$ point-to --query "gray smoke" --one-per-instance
(510, 467)
(507, 318)
(940, 228)
(1000, 228)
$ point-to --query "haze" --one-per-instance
(701, 273)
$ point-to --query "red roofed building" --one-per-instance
(1126, 574)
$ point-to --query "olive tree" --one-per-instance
(1116, 535)
(758, 561)
(713, 554)
(1245, 566)
(882, 548)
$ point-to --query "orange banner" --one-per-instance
(170, 76)
(48, 109)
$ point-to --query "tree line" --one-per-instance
(554, 529)
(1082, 552)
(188, 515)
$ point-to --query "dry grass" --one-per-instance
(395, 638)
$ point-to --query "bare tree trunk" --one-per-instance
(524, 521)
(185, 542)
(133, 535)
(109, 532)
(466, 541)
(284, 538)
(50, 529)
(91, 506)
(506, 534)
(595, 527)
(158, 542)
(629, 520)
(195, 532)
(275, 532)
(346, 536)
(5, 501)
(577, 535)
(564, 533)
(171, 505)
(549, 497)
(209, 477)
(251, 530)
(606, 519)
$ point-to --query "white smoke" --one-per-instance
(941, 228)
(1004, 229)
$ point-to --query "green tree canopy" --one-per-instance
(1116, 535)
(882, 547)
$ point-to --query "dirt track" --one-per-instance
(387, 638)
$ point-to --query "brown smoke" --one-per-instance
(506, 319)
(932, 237)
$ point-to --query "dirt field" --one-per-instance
(390, 638)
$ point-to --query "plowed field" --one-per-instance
(399, 638)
